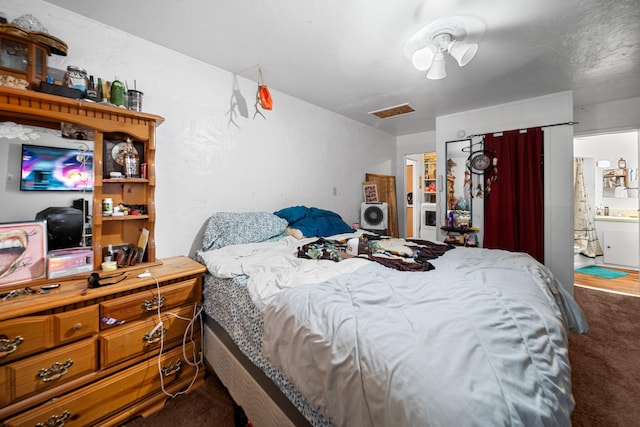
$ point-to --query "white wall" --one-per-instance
(607, 116)
(558, 149)
(205, 163)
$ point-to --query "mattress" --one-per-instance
(354, 335)
(228, 304)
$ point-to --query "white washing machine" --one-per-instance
(428, 221)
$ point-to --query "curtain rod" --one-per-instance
(544, 126)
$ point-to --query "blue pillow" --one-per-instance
(232, 228)
(314, 221)
(294, 213)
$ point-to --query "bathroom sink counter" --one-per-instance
(616, 218)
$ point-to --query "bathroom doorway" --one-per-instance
(610, 165)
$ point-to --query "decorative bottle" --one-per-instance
(131, 161)
(118, 92)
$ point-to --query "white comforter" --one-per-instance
(272, 267)
(479, 341)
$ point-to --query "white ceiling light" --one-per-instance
(456, 35)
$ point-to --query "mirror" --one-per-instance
(610, 171)
(458, 185)
(20, 205)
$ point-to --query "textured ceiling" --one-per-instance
(347, 56)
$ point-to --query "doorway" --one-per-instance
(420, 191)
(610, 164)
(412, 196)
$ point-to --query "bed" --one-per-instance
(345, 329)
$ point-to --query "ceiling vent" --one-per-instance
(398, 110)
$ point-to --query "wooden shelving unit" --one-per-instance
(429, 162)
(78, 355)
(109, 123)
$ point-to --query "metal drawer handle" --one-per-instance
(154, 304)
(154, 335)
(172, 368)
(9, 346)
(55, 420)
(56, 371)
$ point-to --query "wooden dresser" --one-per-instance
(77, 357)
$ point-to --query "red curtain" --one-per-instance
(513, 210)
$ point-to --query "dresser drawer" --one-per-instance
(140, 305)
(43, 371)
(138, 338)
(75, 324)
(25, 335)
(98, 400)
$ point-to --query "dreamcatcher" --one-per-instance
(485, 163)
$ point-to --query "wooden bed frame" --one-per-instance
(262, 401)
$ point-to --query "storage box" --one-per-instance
(67, 92)
(67, 262)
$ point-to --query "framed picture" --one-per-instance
(113, 160)
(370, 191)
(24, 251)
(622, 163)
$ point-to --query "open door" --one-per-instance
(409, 209)
(387, 193)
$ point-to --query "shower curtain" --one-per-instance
(584, 229)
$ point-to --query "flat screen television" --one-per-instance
(56, 169)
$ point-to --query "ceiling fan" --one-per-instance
(456, 35)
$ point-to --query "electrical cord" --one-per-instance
(187, 336)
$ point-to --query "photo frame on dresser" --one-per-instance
(25, 251)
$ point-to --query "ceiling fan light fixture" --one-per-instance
(463, 52)
(457, 36)
(423, 58)
(437, 70)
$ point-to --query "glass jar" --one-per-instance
(107, 206)
(134, 100)
(77, 78)
(131, 161)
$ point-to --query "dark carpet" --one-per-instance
(209, 405)
(606, 363)
(605, 368)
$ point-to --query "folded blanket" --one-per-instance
(399, 254)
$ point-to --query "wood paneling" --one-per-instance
(387, 193)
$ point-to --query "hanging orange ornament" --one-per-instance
(263, 93)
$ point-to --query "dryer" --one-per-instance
(428, 213)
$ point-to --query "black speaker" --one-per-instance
(82, 205)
